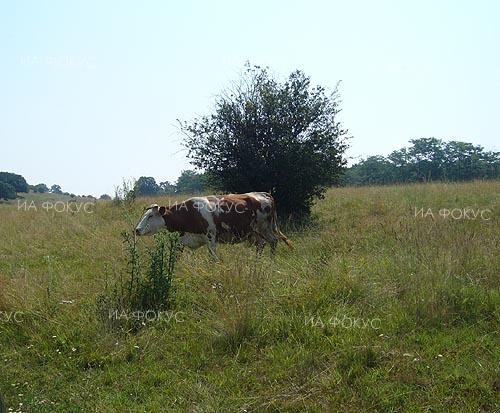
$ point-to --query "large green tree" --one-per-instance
(267, 135)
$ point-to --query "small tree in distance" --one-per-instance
(167, 188)
(146, 186)
(56, 189)
(190, 182)
(270, 135)
(41, 188)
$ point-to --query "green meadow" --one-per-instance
(388, 302)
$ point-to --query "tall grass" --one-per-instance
(375, 309)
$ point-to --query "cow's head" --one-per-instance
(152, 221)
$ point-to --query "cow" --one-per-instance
(208, 220)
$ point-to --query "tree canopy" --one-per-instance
(146, 185)
(16, 181)
(40, 188)
(7, 191)
(190, 182)
(267, 135)
(56, 189)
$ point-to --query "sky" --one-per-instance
(90, 91)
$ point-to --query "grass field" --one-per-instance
(381, 306)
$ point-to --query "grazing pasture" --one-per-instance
(389, 301)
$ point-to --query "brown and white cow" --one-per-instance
(210, 219)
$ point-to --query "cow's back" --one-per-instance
(242, 215)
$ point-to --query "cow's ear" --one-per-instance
(162, 210)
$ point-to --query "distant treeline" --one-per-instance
(427, 159)
(12, 184)
(188, 182)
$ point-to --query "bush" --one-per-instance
(271, 136)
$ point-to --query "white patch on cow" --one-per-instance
(206, 209)
(266, 203)
(263, 225)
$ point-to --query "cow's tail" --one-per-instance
(277, 233)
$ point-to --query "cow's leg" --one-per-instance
(273, 245)
(211, 244)
(272, 240)
(260, 243)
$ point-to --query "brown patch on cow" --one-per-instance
(184, 217)
(237, 214)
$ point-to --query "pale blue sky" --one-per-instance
(90, 90)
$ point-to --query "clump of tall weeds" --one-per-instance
(142, 292)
